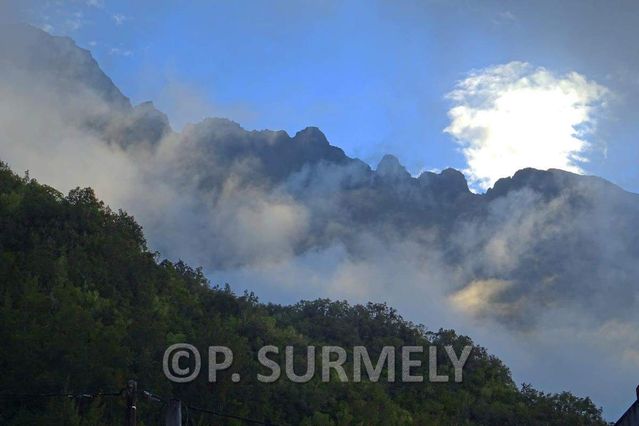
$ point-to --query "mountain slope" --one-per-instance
(85, 306)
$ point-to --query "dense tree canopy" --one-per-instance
(85, 306)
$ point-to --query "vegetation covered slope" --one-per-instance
(85, 306)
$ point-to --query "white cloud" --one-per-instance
(120, 52)
(505, 17)
(95, 3)
(480, 298)
(119, 19)
(513, 116)
(75, 21)
(46, 27)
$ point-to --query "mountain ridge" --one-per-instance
(145, 122)
(543, 253)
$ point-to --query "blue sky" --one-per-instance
(372, 75)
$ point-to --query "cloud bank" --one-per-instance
(509, 117)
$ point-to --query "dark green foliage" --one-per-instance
(84, 306)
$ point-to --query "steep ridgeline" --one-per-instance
(86, 306)
(553, 238)
(538, 240)
(55, 70)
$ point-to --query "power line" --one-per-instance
(157, 398)
(229, 416)
(146, 394)
(54, 395)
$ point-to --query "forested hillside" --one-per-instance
(85, 306)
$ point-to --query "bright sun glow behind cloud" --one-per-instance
(513, 116)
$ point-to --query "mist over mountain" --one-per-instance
(547, 255)
(57, 70)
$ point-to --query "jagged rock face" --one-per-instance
(57, 60)
(220, 149)
(389, 169)
(548, 237)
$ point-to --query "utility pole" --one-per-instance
(174, 413)
(130, 393)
